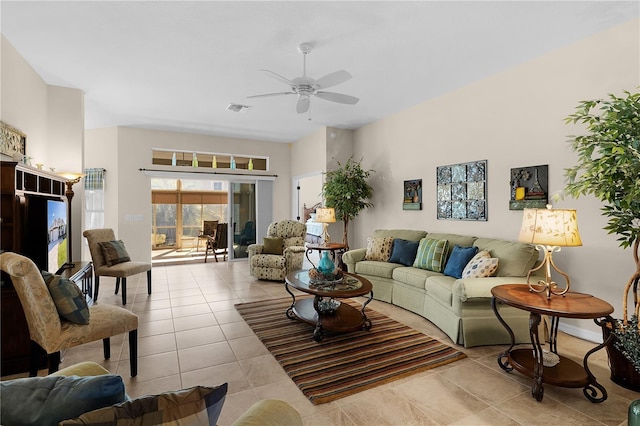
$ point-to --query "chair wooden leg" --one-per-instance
(34, 358)
(149, 281)
(95, 291)
(117, 285)
(106, 347)
(54, 362)
(133, 352)
(124, 290)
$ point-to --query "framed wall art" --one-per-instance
(462, 191)
(529, 187)
(12, 141)
(412, 195)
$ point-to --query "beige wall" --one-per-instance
(512, 119)
(52, 117)
(124, 151)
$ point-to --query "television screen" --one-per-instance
(57, 238)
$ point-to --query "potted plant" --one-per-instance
(608, 168)
(346, 190)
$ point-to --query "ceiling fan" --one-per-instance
(305, 86)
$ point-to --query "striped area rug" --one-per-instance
(343, 364)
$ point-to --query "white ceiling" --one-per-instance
(176, 65)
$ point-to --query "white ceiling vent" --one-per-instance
(237, 107)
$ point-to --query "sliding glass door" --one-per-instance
(243, 211)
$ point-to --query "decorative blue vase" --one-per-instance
(325, 266)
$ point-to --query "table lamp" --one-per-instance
(325, 215)
(549, 229)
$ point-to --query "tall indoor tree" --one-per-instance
(609, 168)
(346, 190)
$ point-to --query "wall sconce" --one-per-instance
(549, 229)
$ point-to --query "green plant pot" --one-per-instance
(622, 371)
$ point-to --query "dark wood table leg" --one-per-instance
(537, 390)
(503, 358)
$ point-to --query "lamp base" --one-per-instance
(548, 286)
(326, 239)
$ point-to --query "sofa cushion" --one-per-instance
(199, 405)
(403, 234)
(431, 254)
(379, 248)
(481, 266)
(516, 259)
(268, 261)
(48, 400)
(454, 239)
(272, 245)
(114, 252)
(412, 276)
(458, 259)
(404, 252)
(377, 269)
(69, 300)
(440, 288)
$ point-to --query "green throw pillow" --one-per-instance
(69, 300)
(272, 245)
(431, 254)
(114, 252)
(199, 405)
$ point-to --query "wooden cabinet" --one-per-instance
(17, 181)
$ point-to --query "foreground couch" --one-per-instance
(461, 308)
(87, 394)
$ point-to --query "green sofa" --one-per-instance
(461, 308)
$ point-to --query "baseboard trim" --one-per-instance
(581, 333)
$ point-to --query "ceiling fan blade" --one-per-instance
(303, 104)
(337, 97)
(332, 79)
(271, 94)
(278, 77)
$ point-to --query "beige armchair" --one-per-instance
(52, 334)
(275, 267)
(120, 270)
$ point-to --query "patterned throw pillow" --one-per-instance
(69, 300)
(431, 254)
(114, 252)
(481, 266)
(272, 245)
(379, 249)
(199, 405)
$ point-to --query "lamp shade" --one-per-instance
(325, 215)
(552, 227)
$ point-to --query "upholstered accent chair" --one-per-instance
(120, 270)
(274, 267)
(218, 243)
(52, 334)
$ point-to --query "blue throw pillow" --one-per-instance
(404, 252)
(459, 258)
(46, 401)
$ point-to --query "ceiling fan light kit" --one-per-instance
(305, 86)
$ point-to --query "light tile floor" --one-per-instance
(190, 334)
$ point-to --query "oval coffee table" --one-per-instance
(315, 311)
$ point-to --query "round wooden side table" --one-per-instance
(529, 361)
